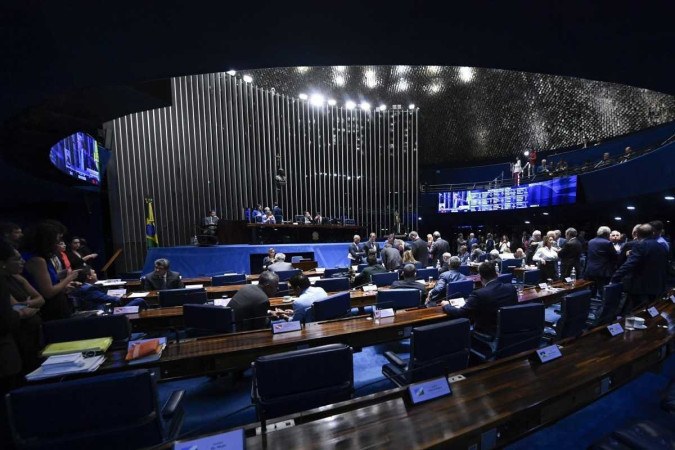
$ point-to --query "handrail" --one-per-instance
(110, 261)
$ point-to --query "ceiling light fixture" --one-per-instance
(350, 104)
(411, 106)
(332, 102)
(248, 78)
(383, 107)
(631, 208)
(617, 218)
(231, 72)
(303, 96)
(669, 197)
(316, 99)
(365, 106)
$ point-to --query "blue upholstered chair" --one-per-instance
(329, 273)
(333, 307)
(302, 379)
(465, 270)
(385, 279)
(179, 297)
(283, 289)
(606, 309)
(361, 267)
(435, 350)
(118, 410)
(228, 280)
(118, 327)
(458, 289)
(203, 320)
(333, 284)
(398, 298)
(424, 274)
(519, 328)
(505, 278)
(532, 277)
(509, 264)
(574, 310)
(295, 259)
(285, 275)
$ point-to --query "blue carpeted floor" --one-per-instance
(219, 403)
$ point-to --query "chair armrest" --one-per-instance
(173, 404)
(394, 359)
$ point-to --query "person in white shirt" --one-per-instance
(546, 258)
(307, 295)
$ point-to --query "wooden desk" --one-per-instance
(498, 402)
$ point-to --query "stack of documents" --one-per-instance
(145, 350)
(98, 345)
(60, 365)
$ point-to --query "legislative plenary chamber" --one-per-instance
(345, 225)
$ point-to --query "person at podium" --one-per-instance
(210, 223)
(318, 219)
(162, 278)
(308, 218)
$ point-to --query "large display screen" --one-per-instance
(557, 191)
(78, 155)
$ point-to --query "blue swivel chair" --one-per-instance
(435, 350)
(333, 284)
(398, 298)
(117, 410)
(118, 327)
(179, 297)
(458, 289)
(329, 273)
(574, 310)
(332, 307)
(519, 328)
(606, 309)
(424, 274)
(285, 275)
(385, 279)
(509, 264)
(361, 267)
(505, 277)
(228, 280)
(295, 381)
(532, 277)
(465, 270)
(204, 320)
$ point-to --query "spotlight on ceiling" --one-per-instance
(339, 80)
(350, 104)
(630, 208)
(617, 218)
(669, 197)
(411, 106)
(526, 153)
(248, 78)
(332, 102)
(231, 72)
(303, 96)
(545, 213)
(527, 222)
(383, 107)
(466, 74)
(316, 99)
(365, 106)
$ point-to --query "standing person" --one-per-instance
(546, 257)
(252, 302)
(532, 246)
(269, 259)
(280, 264)
(371, 245)
(505, 245)
(391, 258)
(419, 248)
(489, 243)
(570, 254)
(356, 250)
(308, 218)
(460, 241)
(75, 256)
(210, 223)
(438, 248)
(615, 239)
(601, 260)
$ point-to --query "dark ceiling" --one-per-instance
(60, 48)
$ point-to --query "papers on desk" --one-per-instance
(56, 366)
(138, 294)
(125, 310)
(320, 269)
(194, 286)
(116, 292)
(111, 282)
(221, 301)
(457, 302)
(313, 279)
(231, 440)
(85, 345)
(145, 350)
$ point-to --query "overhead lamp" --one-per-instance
(231, 72)
(419, 218)
(631, 208)
(248, 78)
(350, 104)
(339, 80)
(669, 197)
(365, 106)
(411, 106)
(466, 74)
(527, 222)
(545, 213)
(332, 102)
(526, 153)
(617, 218)
(303, 96)
(316, 99)
(383, 107)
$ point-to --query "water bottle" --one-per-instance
(438, 264)
(497, 267)
(573, 276)
(522, 262)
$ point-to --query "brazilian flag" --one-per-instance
(151, 238)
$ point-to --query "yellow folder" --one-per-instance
(86, 345)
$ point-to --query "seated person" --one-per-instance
(12, 233)
(251, 303)
(482, 305)
(210, 223)
(627, 155)
(476, 253)
(463, 255)
(90, 296)
(449, 276)
(308, 218)
(604, 162)
(269, 259)
(306, 296)
(162, 278)
(408, 258)
(494, 257)
(257, 214)
(409, 280)
(543, 168)
(366, 276)
(519, 254)
(445, 265)
(280, 263)
(75, 255)
(269, 217)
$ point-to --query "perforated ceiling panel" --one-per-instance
(471, 116)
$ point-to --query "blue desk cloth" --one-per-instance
(192, 261)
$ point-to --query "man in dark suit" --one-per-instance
(251, 303)
(371, 245)
(439, 247)
(644, 273)
(615, 239)
(601, 260)
(366, 276)
(570, 254)
(356, 250)
(391, 257)
(449, 276)
(162, 278)
(482, 305)
(409, 280)
(628, 246)
(419, 248)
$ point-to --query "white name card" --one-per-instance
(232, 440)
(568, 280)
(221, 301)
(194, 286)
(285, 327)
(369, 288)
(429, 390)
(549, 353)
(313, 279)
(125, 310)
(116, 292)
(383, 313)
(543, 285)
(653, 311)
(457, 302)
(615, 329)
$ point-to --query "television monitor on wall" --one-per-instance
(79, 156)
(557, 191)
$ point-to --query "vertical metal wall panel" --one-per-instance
(220, 144)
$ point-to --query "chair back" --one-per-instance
(611, 298)
(228, 280)
(465, 288)
(333, 284)
(329, 273)
(118, 327)
(532, 277)
(179, 297)
(285, 275)
(483, 257)
(332, 307)
(438, 349)
(385, 279)
(361, 267)
(118, 410)
(398, 298)
(519, 328)
(574, 310)
(202, 320)
(509, 264)
(505, 278)
(424, 274)
(283, 289)
(465, 270)
(295, 259)
(302, 379)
